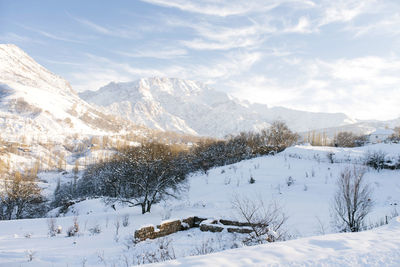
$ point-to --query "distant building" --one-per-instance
(380, 135)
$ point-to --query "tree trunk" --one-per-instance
(143, 207)
(148, 206)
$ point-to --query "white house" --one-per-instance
(380, 135)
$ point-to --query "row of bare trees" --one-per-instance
(143, 175)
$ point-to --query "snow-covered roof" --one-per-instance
(383, 132)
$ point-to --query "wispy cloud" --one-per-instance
(227, 7)
(122, 31)
(52, 36)
(93, 26)
(344, 10)
(101, 70)
(155, 53)
(14, 38)
(385, 26)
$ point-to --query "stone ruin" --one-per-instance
(172, 226)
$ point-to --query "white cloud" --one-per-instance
(344, 10)
(385, 26)
(364, 87)
(155, 53)
(303, 26)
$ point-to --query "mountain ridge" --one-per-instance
(189, 106)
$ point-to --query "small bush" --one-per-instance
(206, 247)
(74, 229)
(95, 230)
(289, 181)
(375, 160)
(30, 254)
(331, 157)
(28, 235)
(51, 223)
(125, 220)
(252, 180)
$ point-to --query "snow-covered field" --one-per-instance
(378, 247)
(307, 203)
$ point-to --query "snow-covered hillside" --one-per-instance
(42, 117)
(306, 201)
(195, 108)
(378, 247)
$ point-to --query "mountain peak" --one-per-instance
(193, 107)
(172, 85)
(18, 67)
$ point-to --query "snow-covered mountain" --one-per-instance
(36, 102)
(193, 107)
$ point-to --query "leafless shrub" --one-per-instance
(30, 254)
(204, 248)
(28, 235)
(266, 221)
(95, 230)
(51, 224)
(163, 252)
(74, 229)
(289, 181)
(116, 226)
(352, 200)
(131, 241)
(376, 160)
(321, 227)
(330, 157)
(101, 257)
(125, 220)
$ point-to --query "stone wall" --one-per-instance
(173, 226)
(230, 226)
(167, 228)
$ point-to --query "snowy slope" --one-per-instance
(378, 247)
(193, 107)
(306, 202)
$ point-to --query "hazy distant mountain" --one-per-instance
(195, 108)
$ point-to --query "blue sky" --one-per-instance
(332, 56)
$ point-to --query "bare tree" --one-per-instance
(352, 201)
(266, 221)
(20, 198)
(154, 172)
(346, 139)
(279, 136)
